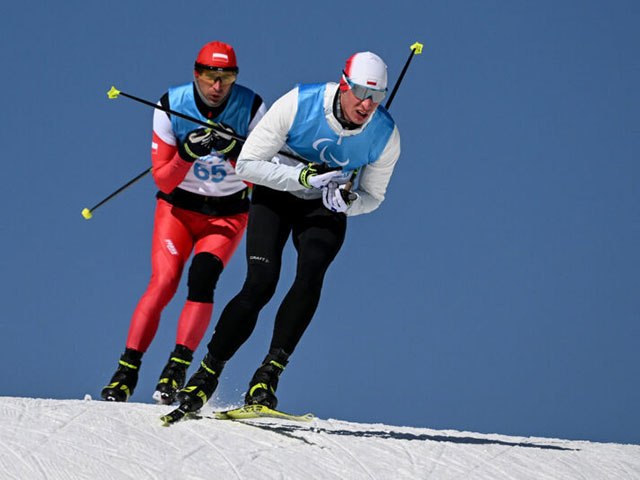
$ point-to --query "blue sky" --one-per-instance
(496, 289)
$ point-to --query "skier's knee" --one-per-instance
(203, 276)
(261, 283)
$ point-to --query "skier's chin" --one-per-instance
(214, 101)
(358, 117)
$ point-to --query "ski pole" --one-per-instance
(416, 49)
(114, 93)
(87, 213)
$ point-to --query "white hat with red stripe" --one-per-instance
(366, 69)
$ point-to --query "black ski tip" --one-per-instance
(173, 417)
(183, 411)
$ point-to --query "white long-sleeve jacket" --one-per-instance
(259, 163)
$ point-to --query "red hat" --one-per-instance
(366, 69)
(217, 56)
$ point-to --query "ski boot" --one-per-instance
(125, 379)
(173, 376)
(201, 385)
(264, 383)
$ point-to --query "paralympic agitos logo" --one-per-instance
(317, 146)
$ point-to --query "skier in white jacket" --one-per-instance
(343, 132)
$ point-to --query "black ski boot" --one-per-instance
(173, 376)
(125, 379)
(201, 385)
(264, 383)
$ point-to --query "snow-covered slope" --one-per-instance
(84, 439)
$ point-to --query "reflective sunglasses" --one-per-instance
(210, 77)
(362, 93)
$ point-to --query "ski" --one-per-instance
(176, 415)
(246, 412)
(260, 411)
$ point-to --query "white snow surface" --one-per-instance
(86, 439)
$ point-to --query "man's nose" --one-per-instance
(368, 103)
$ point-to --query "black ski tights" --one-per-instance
(317, 235)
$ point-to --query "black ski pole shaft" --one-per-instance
(416, 49)
(114, 93)
(87, 213)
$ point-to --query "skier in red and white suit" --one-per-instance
(201, 207)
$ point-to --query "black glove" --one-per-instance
(198, 144)
(223, 143)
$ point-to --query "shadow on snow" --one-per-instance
(291, 430)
